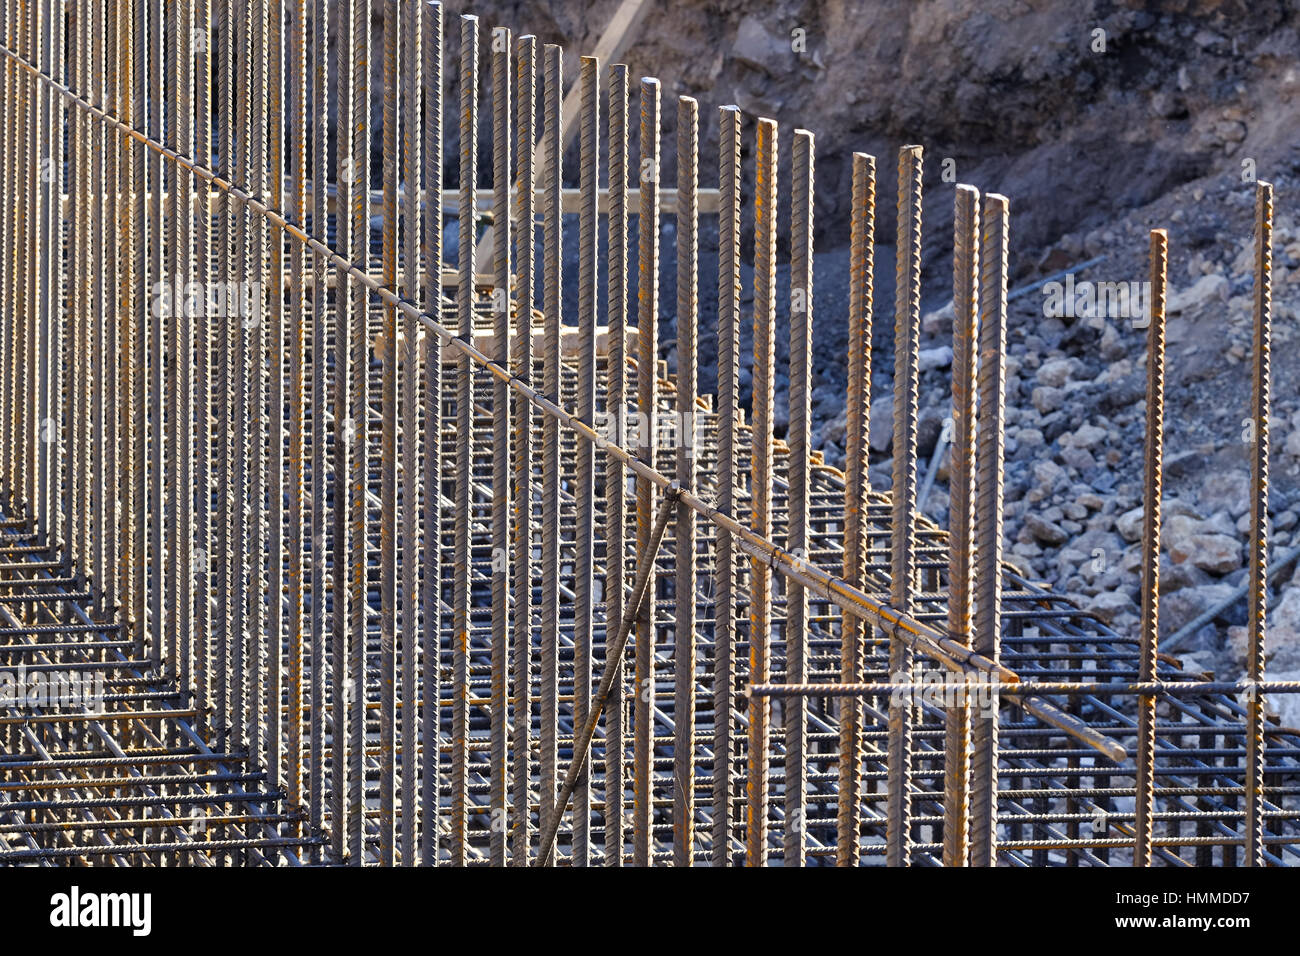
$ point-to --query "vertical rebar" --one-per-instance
(685, 387)
(760, 594)
(431, 562)
(525, 234)
(78, 168)
(795, 710)
(961, 511)
(182, 355)
(987, 624)
(112, 326)
(501, 304)
(1256, 619)
(173, 317)
(23, 274)
(13, 174)
(388, 453)
(273, 408)
(6, 263)
(299, 527)
(552, 210)
(316, 692)
(647, 290)
(9, 219)
(903, 563)
(584, 489)
(412, 280)
(239, 407)
(124, 452)
(28, 270)
(343, 690)
(615, 481)
(56, 447)
(142, 234)
(77, 491)
(203, 342)
(724, 622)
(464, 435)
(100, 480)
(65, 409)
(261, 639)
(38, 307)
(46, 298)
(1149, 634)
(352, 433)
(853, 632)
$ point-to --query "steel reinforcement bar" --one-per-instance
(372, 527)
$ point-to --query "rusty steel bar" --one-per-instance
(725, 610)
(798, 536)
(685, 386)
(430, 15)
(171, 314)
(501, 314)
(647, 291)
(525, 238)
(1256, 619)
(409, 417)
(78, 491)
(465, 244)
(49, 49)
(1150, 632)
(240, 406)
(300, 560)
(616, 401)
(343, 686)
(222, 400)
(9, 78)
(853, 635)
(24, 273)
(760, 594)
(388, 452)
(903, 565)
(273, 409)
(100, 250)
(352, 433)
(961, 511)
(257, 434)
(134, 79)
(183, 554)
(7, 174)
(584, 487)
(986, 625)
(203, 364)
(1021, 689)
(316, 508)
(130, 296)
(552, 93)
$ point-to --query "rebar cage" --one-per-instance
(320, 551)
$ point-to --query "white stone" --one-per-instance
(938, 357)
(1054, 372)
(1129, 525)
(1201, 291)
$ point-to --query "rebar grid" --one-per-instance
(347, 556)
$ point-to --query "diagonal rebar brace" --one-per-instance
(613, 662)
